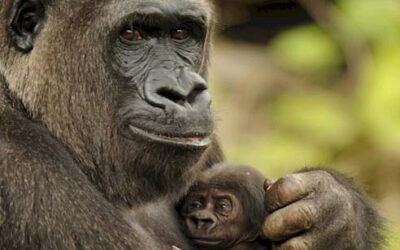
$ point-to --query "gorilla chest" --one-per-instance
(158, 222)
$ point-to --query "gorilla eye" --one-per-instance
(195, 204)
(224, 205)
(132, 34)
(180, 34)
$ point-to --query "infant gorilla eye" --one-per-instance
(224, 205)
(180, 34)
(195, 204)
(132, 34)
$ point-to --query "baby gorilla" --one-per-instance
(224, 209)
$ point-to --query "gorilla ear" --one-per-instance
(24, 23)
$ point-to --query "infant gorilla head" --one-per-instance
(224, 208)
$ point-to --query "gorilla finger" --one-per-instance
(286, 190)
(298, 243)
(289, 221)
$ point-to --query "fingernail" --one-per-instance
(268, 184)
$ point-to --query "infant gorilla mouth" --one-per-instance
(207, 242)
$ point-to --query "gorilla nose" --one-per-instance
(205, 224)
(166, 89)
(180, 97)
(203, 221)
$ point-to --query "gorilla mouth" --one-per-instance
(206, 241)
(184, 140)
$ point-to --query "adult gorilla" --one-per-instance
(105, 122)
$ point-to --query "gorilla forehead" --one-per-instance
(192, 7)
(116, 9)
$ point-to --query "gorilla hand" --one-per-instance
(319, 209)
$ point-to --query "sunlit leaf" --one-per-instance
(321, 117)
(377, 20)
(277, 154)
(307, 49)
(380, 98)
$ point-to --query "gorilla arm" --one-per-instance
(320, 209)
(48, 197)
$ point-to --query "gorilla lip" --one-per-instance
(190, 140)
(206, 242)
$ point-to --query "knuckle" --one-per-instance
(272, 227)
(275, 197)
(290, 178)
(288, 185)
(308, 215)
(268, 231)
(266, 228)
(323, 178)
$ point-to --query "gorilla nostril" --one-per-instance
(195, 92)
(172, 95)
(203, 223)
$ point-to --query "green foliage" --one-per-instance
(378, 21)
(393, 234)
(276, 154)
(319, 117)
(379, 97)
(307, 49)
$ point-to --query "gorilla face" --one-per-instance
(120, 83)
(214, 218)
(159, 54)
(224, 207)
(136, 65)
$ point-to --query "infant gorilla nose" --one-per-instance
(202, 221)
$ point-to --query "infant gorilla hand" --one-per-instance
(319, 209)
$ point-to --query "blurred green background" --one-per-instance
(313, 83)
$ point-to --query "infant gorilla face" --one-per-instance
(213, 218)
(224, 208)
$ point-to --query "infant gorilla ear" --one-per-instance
(224, 208)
